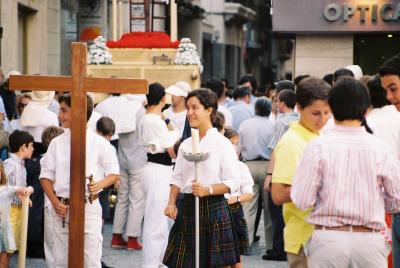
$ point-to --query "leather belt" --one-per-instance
(66, 201)
(348, 228)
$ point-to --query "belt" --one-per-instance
(66, 201)
(348, 228)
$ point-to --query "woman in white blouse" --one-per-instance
(218, 175)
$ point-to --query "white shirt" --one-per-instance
(220, 167)
(121, 111)
(47, 119)
(55, 164)
(54, 107)
(227, 114)
(177, 120)
(92, 123)
(385, 123)
(246, 181)
(154, 134)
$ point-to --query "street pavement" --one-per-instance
(122, 258)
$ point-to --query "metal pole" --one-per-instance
(197, 217)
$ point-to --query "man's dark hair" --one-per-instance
(226, 82)
(248, 78)
(311, 89)
(340, 73)
(207, 98)
(241, 92)
(285, 84)
(328, 78)
(262, 107)
(218, 121)
(215, 85)
(299, 78)
(106, 126)
(66, 98)
(391, 66)
(377, 92)
(288, 97)
(155, 94)
(19, 138)
(349, 100)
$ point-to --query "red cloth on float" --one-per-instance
(144, 40)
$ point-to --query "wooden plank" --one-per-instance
(42, 83)
(116, 85)
(78, 157)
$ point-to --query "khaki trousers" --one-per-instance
(258, 170)
(342, 249)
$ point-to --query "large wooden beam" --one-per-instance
(78, 157)
(42, 83)
(115, 85)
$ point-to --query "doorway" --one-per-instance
(370, 51)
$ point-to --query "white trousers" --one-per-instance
(48, 234)
(129, 211)
(341, 249)
(156, 179)
(93, 238)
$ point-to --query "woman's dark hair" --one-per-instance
(66, 98)
(216, 85)
(328, 78)
(391, 66)
(207, 98)
(299, 78)
(249, 78)
(311, 89)
(155, 94)
(19, 138)
(349, 100)
(230, 133)
(377, 92)
(105, 126)
(219, 121)
(340, 73)
(262, 107)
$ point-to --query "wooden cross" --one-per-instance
(78, 84)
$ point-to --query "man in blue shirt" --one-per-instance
(241, 110)
(255, 135)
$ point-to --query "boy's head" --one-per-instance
(312, 103)
(65, 115)
(156, 94)
(50, 133)
(248, 80)
(349, 100)
(286, 100)
(216, 85)
(21, 142)
(105, 127)
(377, 92)
(390, 79)
(340, 73)
(242, 93)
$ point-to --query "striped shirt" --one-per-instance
(350, 177)
(15, 171)
(281, 126)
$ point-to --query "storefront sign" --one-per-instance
(352, 16)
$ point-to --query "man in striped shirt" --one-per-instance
(348, 177)
(390, 80)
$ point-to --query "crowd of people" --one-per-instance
(318, 158)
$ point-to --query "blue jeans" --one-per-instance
(396, 239)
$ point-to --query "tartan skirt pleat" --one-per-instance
(240, 226)
(218, 243)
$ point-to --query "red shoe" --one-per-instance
(133, 244)
(118, 241)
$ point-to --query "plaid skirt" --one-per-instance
(240, 226)
(218, 243)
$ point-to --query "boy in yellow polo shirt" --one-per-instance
(312, 104)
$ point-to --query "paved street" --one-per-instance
(132, 259)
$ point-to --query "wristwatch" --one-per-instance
(210, 189)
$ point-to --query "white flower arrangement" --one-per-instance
(98, 52)
(187, 54)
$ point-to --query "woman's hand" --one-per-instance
(61, 209)
(200, 190)
(171, 211)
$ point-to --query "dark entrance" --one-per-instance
(370, 51)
